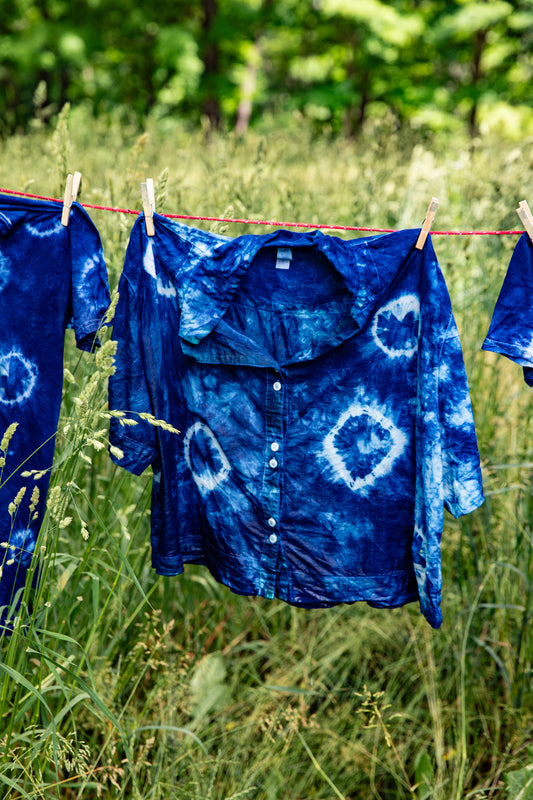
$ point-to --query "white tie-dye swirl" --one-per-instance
(397, 310)
(208, 478)
(45, 232)
(18, 377)
(377, 424)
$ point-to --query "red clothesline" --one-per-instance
(275, 223)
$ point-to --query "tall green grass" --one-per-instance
(122, 684)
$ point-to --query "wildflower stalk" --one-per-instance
(463, 753)
(370, 705)
(4, 445)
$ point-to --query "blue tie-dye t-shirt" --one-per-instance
(511, 328)
(51, 277)
(323, 407)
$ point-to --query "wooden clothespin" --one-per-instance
(148, 198)
(71, 193)
(524, 212)
(428, 222)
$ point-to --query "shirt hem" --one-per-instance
(518, 354)
(461, 509)
(371, 594)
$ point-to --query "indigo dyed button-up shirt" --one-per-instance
(51, 277)
(324, 411)
(511, 328)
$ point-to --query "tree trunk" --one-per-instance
(479, 46)
(355, 114)
(211, 60)
(248, 86)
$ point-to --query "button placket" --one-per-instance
(275, 391)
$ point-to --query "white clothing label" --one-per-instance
(284, 258)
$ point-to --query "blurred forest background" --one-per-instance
(449, 65)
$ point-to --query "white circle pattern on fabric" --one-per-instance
(18, 377)
(390, 329)
(45, 232)
(208, 478)
(376, 445)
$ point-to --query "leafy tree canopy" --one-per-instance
(428, 62)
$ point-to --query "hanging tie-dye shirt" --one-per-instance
(325, 418)
(511, 328)
(51, 277)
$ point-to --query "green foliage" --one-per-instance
(424, 776)
(338, 63)
(119, 684)
(519, 784)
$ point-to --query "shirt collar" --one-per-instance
(216, 265)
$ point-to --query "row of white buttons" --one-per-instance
(273, 463)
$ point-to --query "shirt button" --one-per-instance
(273, 463)
(276, 386)
(274, 447)
(272, 522)
(272, 538)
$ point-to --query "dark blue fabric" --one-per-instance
(51, 277)
(511, 329)
(324, 411)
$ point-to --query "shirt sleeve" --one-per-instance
(511, 329)
(89, 282)
(128, 386)
(448, 467)
(461, 470)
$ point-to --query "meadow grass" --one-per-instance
(123, 684)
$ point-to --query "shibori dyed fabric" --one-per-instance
(51, 277)
(323, 405)
(511, 329)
